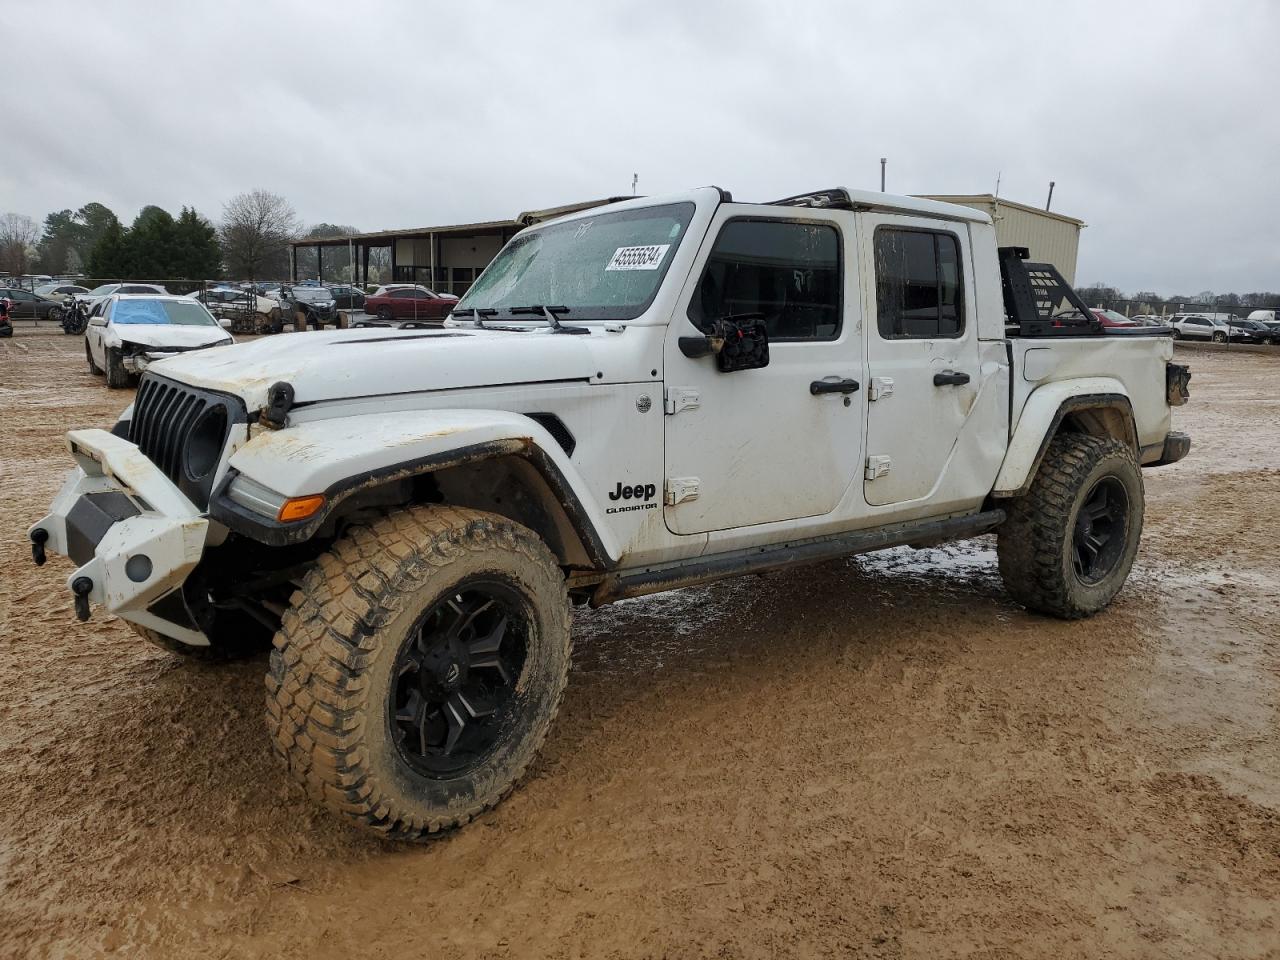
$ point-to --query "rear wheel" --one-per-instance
(419, 668)
(93, 366)
(1070, 540)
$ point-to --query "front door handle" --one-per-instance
(949, 378)
(833, 386)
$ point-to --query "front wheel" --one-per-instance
(384, 314)
(1177, 334)
(1069, 542)
(1219, 337)
(117, 375)
(56, 314)
(418, 669)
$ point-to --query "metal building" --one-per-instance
(1051, 237)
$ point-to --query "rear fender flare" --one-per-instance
(1044, 414)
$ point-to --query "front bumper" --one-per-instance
(139, 362)
(132, 533)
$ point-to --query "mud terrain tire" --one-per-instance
(117, 375)
(88, 355)
(1050, 528)
(374, 611)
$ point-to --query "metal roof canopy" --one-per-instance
(379, 238)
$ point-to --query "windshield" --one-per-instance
(103, 290)
(607, 267)
(182, 312)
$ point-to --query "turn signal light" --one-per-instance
(299, 508)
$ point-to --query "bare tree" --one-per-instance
(256, 230)
(18, 236)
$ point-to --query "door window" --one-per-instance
(918, 284)
(786, 271)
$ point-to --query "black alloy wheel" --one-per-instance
(455, 679)
(1098, 539)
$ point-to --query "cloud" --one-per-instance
(1154, 120)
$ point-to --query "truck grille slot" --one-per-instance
(164, 415)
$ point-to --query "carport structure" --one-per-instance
(445, 258)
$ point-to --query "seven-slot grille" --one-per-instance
(164, 414)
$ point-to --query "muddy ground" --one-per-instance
(876, 757)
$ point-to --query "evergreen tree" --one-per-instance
(63, 235)
(197, 252)
(108, 260)
(150, 245)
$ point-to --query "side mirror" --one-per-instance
(224, 323)
(738, 342)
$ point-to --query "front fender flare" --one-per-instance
(1041, 417)
(345, 455)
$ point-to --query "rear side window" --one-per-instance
(786, 271)
(919, 289)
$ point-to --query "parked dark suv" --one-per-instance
(308, 307)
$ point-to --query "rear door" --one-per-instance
(24, 303)
(922, 356)
(404, 304)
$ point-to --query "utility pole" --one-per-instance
(1050, 200)
(883, 161)
(635, 179)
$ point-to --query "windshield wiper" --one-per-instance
(477, 314)
(550, 314)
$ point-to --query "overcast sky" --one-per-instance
(1158, 121)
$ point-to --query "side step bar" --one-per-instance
(780, 556)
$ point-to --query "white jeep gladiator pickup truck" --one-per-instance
(631, 399)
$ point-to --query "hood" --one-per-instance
(170, 334)
(336, 364)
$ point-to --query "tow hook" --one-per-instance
(81, 586)
(39, 536)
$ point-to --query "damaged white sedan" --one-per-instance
(127, 333)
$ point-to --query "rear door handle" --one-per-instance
(833, 386)
(949, 378)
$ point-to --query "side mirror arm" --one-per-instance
(697, 347)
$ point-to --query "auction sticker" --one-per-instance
(638, 258)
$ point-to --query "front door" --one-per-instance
(922, 355)
(755, 446)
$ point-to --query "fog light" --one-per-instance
(299, 508)
(138, 568)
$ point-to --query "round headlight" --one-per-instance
(204, 442)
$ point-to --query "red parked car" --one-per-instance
(1111, 318)
(408, 303)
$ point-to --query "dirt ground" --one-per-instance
(876, 757)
